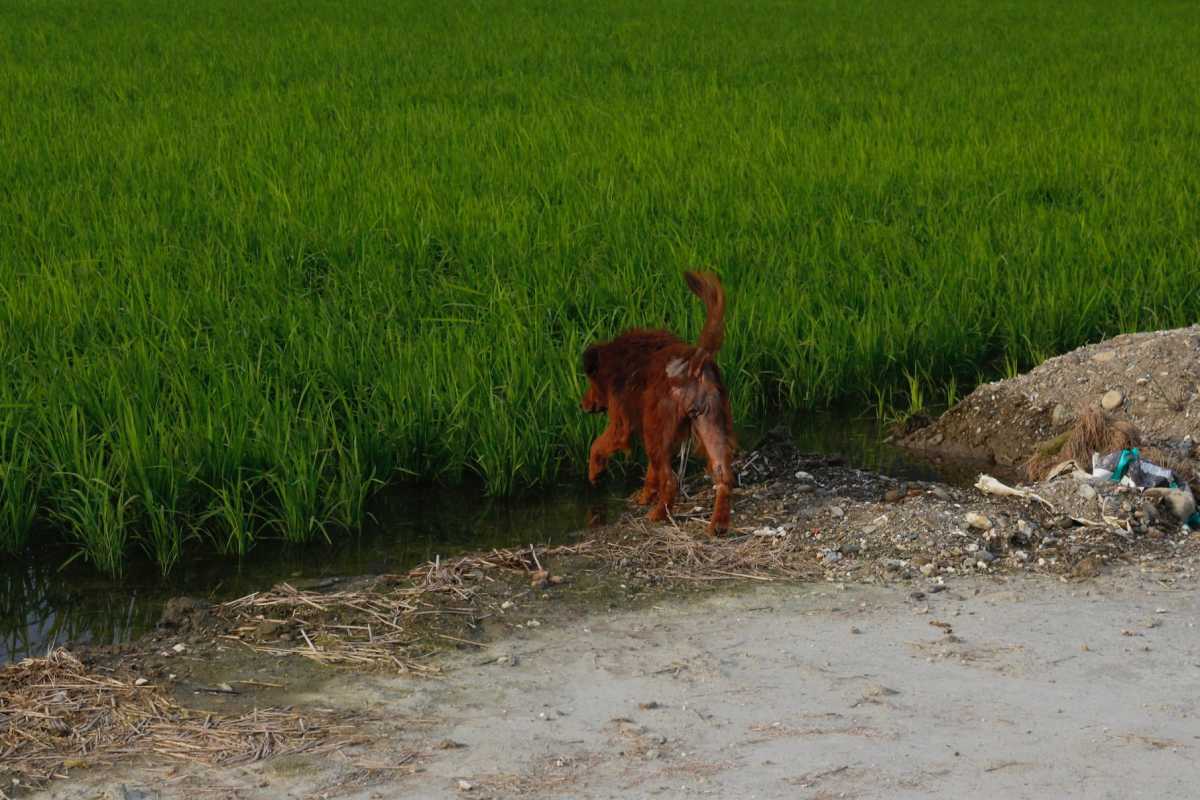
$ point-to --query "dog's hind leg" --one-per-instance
(650, 488)
(659, 449)
(711, 430)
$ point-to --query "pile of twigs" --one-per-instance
(672, 553)
(378, 627)
(456, 575)
(55, 714)
(366, 629)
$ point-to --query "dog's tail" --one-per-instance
(707, 287)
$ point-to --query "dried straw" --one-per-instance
(377, 628)
(1093, 432)
(55, 714)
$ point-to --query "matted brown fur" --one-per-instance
(655, 386)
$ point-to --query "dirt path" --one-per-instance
(1025, 687)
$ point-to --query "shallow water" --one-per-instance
(43, 605)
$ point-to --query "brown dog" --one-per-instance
(654, 384)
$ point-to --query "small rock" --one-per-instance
(180, 648)
(449, 744)
(894, 495)
(465, 786)
(850, 548)
(533, 623)
(804, 476)
(837, 511)
(894, 563)
(978, 521)
(140, 682)
(855, 631)
(1086, 492)
(928, 569)
(985, 556)
(1104, 356)
(1181, 503)
(941, 493)
(649, 706)
(508, 660)
(506, 605)
(1061, 415)
(1112, 400)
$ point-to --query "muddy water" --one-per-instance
(43, 604)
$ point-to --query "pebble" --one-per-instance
(1086, 492)
(837, 511)
(928, 569)
(1061, 415)
(978, 521)
(941, 493)
(804, 476)
(985, 557)
(1104, 356)
(894, 563)
(1112, 400)
(851, 548)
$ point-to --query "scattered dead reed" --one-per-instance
(56, 714)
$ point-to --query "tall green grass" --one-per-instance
(257, 258)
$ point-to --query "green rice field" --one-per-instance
(259, 259)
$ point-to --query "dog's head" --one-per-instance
(593, 398)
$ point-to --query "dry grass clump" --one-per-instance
(56, 714)
(1093, 432)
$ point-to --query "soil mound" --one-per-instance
(1151, 380)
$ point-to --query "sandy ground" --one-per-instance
(1021, 687)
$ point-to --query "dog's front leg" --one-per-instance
(614, 439)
